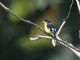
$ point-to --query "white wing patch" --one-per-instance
(53, 29)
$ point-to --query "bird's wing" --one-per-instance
(51, 27)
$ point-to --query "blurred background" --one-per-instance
(15, 35)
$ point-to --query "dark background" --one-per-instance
(15, 35)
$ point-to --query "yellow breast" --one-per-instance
(47, 29)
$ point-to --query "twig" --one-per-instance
(40, 36)
(59, 30)
(69, 11)
(65, 19)
(78, 5)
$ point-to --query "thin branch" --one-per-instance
(27, 21)
(64, 20)
(69, 11)
(70, 46)
(64, 43)
(40, 36)
(78, 5)
(59, 30)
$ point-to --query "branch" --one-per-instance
(59, 30)
(62, 42)
(69, 10)
(27, 21)
(78, 5)
(64, 20)
(40, 36)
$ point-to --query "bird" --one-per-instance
(51, 29)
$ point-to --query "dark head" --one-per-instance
(47, 21)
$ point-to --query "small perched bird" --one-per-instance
(51, 29)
